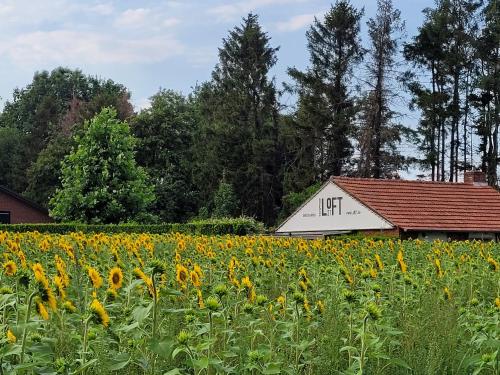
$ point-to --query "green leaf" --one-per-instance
(162, 348)
(128, 327)
(272, 368)
(10, 350)
(400, 363)
(178, 350)
(85, 366)
(175, 371)
(140, 312)
(201, 363)
(119, 361)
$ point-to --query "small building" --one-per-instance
(15, 209)
(400, 208)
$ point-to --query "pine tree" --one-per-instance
(486, 96)
(326, 110)
(378, 135)
(240, 122)
(443, 50)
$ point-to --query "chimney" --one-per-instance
(477, 178)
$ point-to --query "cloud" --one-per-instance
(65, 47)
(144, 19)
(133, 18)
(228, 12)
(297, 22)
(102, 9)
(170, 22)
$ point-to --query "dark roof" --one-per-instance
(26, 201)
(422, 205)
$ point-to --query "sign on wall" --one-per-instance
(332, 209)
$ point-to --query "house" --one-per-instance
(15, 209)
(400, 208)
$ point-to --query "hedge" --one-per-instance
(239, 226)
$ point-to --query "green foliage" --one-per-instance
(101, 182)
(225, 201)
(165, 134)
(54, 104)
(325, 110)
(239, 226)
(293, 200)
(11, 158)
(45, 173)
(239, 129)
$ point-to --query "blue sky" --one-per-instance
(146, 45)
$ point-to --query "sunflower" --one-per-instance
(95, 278)
(11, 337)
(147, 280)
(58, 281)
(380, 264)
(9, 268)
(99, 312)
(197, 269)
(48, 297)
(401, 261)
(181, 275)
(42, 310)
(115, 278)
(40, 275)
(320, 306)
(195, 279)
(201, 304)
(494, 266)
(69, 306)
(447, 294)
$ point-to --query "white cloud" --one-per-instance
(228, 12)
(133, 18)
(103, 9)
(296, 22)
(65, 47)
(170, 22)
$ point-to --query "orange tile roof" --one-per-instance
(421, 205)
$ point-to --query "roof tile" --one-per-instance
(421, 205)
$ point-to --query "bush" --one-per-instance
(239, 226)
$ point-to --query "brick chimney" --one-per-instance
(477, 178)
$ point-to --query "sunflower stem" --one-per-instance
(25, 329)
(85, 339)
(155, 318)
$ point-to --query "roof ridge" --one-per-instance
(400, 180)
(21, 198)
(394, 180)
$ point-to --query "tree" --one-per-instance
(444, 51)
(225, 201)
(378, 134)
(486, 95)
(11, 155)
(45, 173)
(239, 131)
(165, 133)
(325, 107)
(54, 105)
(101, 182)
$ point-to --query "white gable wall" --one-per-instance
(332, 209)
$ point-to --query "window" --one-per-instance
(4, 217)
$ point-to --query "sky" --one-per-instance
(148, 45)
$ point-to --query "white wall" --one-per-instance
(333, 209)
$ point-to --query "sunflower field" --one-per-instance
(182, 304)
